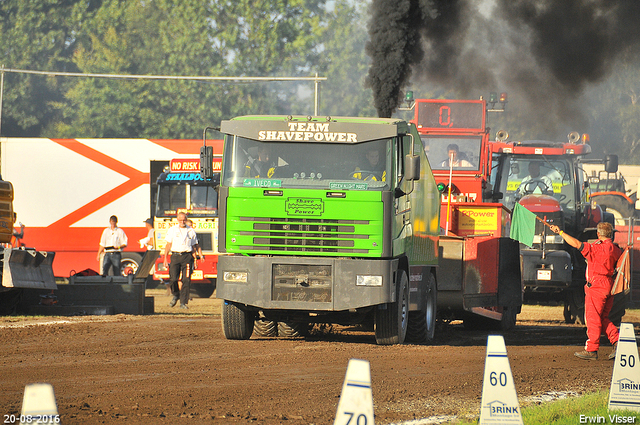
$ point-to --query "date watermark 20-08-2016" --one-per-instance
(31, 419)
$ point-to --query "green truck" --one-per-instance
(326, 220)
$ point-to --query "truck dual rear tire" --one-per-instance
(422, 324)
(265, 328)
(237, 323)
(392, 322)
(270, 328)
(292, 329)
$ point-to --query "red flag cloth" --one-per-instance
(622, 279)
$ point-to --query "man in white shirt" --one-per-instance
(182, 242)
(534, 182)
(147, 242)
(112, 241)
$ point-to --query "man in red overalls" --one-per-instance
(601, 257)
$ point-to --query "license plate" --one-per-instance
(197, 275)
(544, 274)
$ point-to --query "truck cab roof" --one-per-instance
(541, 147)
(314, 129)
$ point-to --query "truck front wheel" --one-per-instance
(236, 322)
(392, 321)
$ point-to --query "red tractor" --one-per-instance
(546, 177)
(611, 192)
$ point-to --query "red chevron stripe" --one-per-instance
(135, 180)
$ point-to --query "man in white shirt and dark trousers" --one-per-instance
(182, 243)
(112, 242)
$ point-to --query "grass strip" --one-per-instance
(588, 409)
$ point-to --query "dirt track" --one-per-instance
(177, 368)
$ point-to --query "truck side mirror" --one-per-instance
(412, 167)
(611, 163)
(206, 162)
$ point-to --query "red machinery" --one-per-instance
(546, 177)
(479, 268)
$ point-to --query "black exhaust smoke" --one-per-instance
(397, 30)
(544, 49)
(394, 46)
(578, 41)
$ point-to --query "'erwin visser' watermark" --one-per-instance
(609, 419)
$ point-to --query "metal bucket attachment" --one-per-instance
(28, 268)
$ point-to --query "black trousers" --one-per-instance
(181, 264)
(110, 261)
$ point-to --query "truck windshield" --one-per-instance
(320, 165)
(195, 200)
(540, 175)
(463, 152)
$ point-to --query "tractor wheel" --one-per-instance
(508, 320)
(391, 322)
(617, 205)
(574, 306)
(422, 324)
(568, 318)
(267, 328)
(236, 322)
(619, 308)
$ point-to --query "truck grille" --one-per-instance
(310, 235)
(297, 282)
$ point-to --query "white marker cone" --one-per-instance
(356, 401)
(625, 381)
(499, 399)
(38, 401)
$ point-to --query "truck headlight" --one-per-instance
(235, 277)
(368, 280)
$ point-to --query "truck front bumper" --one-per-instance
(306, 283)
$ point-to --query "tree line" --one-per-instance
(285, 38)
(180, 38)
